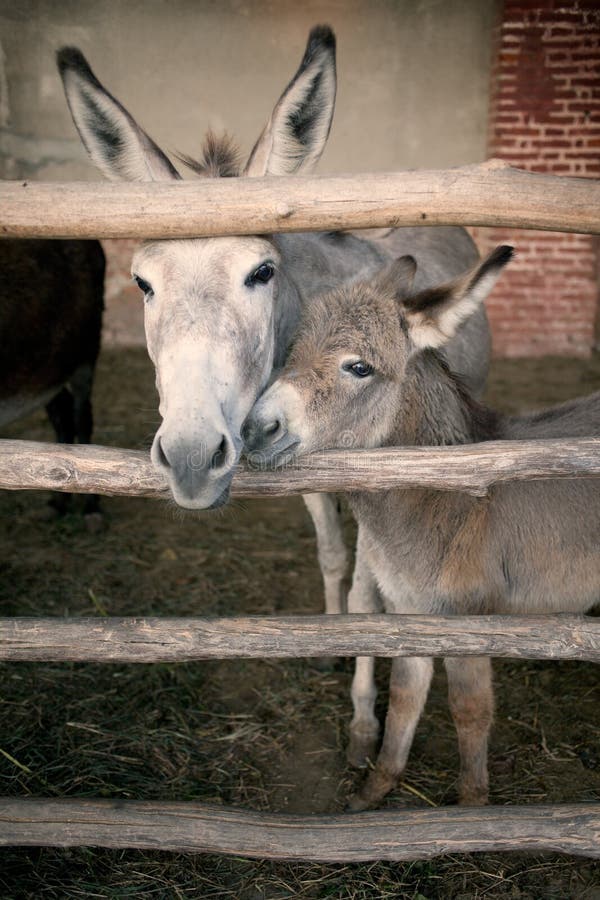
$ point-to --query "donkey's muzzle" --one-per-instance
(268, 442)
(199, 473)
(258, 435)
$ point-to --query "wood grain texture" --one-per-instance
(473, 468)
(488, 194)
(358, 837)
(154, 639)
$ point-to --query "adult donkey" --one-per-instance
(220, 313)
(51, 304)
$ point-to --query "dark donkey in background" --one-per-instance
(220, 313)
(51, 303)
(367, 362)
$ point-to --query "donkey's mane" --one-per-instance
(485, 424)
(220, 157)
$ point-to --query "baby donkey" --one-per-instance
(366, 364)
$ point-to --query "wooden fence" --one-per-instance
(491, 194)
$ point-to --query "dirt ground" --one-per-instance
(261, 735)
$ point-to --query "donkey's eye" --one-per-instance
(359, 369)
(260, 275)
(144, 287)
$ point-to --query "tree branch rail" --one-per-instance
(489, 194)
(153, 639)
(359, 837)
(472, 468)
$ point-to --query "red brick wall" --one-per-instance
(545, 117)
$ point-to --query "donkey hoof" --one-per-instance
(474, 797)
(58, 505)
(358, 803)
(94, 522)
(362, 748)
(47, 513)
(377, 785)
(324, 663)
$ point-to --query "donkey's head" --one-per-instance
(211, 305)
(342, 385)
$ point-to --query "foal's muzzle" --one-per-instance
(267, 439)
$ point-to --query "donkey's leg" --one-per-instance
(81, 384)
(471, 697)
(61, 414)
(333, 559)
(409, 686)
(364, 727)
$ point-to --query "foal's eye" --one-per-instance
(261, 275)
(359, 369)
(144, 287)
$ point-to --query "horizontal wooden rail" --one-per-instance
(359, 837)
(473, 468)
(489, 194)
(146, 640)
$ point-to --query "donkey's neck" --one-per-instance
(311, 265)
(436, 409)
(409, 534)
(287, 315)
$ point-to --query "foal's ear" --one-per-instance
(119, 147)
(398, 276)
(433, 315)
(297, 131)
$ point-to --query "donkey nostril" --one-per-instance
(220, 455)
(273, 428)
(162, 457)
(247, 431)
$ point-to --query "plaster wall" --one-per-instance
(413, 76)
(413, 87)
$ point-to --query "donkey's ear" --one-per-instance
(398, 276)
(297, 131)
(115, 142)
(433, 315)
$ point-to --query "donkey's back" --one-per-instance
(575, 418)
(547, 533)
